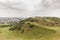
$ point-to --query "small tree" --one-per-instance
(31, 26)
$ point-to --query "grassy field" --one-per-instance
(38, 28)
(5, 34)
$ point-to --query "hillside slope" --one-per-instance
(36, 27)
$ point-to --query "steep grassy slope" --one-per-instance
(36, 27)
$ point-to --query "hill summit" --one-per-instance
(34, 22)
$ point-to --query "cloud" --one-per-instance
(17, 9)
(27, 8)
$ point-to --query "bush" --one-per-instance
(31, 26)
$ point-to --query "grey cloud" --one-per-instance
(48, 8)
(23, 9)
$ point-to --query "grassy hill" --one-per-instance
(32, 28)
(48, 21)
(36, 27)
(38, 22)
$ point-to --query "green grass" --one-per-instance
(43, 29)
(39, 32)
(4, 25)
(45, 34)
(35, 33)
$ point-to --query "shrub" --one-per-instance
(31, 26)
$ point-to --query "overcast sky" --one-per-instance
(27, 8)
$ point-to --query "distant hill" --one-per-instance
(7, 20)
